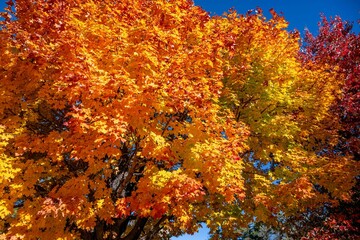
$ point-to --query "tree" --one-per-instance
(288, 107)
(337, 46)
(142, 119)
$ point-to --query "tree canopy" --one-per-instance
(143, 119)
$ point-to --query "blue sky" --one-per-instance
(300, 15)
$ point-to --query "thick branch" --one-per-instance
(156, 228)
(137, 230)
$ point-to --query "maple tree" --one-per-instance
(339, 47)
(142, 119)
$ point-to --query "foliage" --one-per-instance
(142, 119)
(337, 46)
